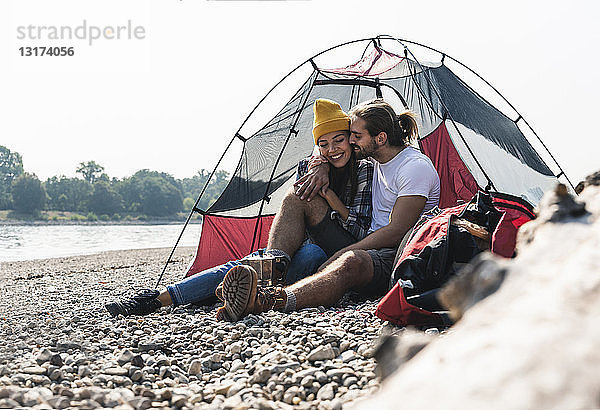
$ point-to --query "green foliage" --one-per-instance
(105, 199)
(90, 171)
(131, 190)
(11, 166)
(152, 193)
(192, 187)
(144, 194)
(188, 203)
(68, 194)
(161, 198)
(28, 194)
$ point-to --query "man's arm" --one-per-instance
(404, 216)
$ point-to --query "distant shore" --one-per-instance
(10, 218)
(13, 222)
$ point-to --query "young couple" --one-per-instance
(355, 202)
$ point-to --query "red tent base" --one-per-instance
(225, 238)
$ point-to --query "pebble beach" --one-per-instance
(61, 349)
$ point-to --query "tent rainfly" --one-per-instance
(474, 136)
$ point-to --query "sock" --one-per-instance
(290, 304)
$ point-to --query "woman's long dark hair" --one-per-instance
(340, 177)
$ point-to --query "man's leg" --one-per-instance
(202, 285)
(353, 269)
(289, 227)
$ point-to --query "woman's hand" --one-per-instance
(335, 203)
(326, 194)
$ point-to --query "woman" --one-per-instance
(349, 200)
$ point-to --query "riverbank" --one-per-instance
(61, 348)
(12, 218)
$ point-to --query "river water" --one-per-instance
(18, 243)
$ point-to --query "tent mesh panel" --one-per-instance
(469, 109)
(259, 156)
(259, 159)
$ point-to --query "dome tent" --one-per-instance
(474, 137)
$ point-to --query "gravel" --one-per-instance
(61, 349)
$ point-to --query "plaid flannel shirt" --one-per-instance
(361, 207)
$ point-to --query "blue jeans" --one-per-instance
(202, 285)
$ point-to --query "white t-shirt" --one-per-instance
(408, 173)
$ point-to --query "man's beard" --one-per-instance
(368, 151)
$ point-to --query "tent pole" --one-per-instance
(447, 113)
(194, 208)
(307, 61)
(292, 131)
(444, 55)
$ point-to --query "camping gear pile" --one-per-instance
(440, 246)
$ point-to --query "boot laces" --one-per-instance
(266, 297)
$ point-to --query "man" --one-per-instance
(405, 184)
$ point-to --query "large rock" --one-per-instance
(394, 351)
(479, 279)
(533, 343)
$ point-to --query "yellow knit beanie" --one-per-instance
(328, 117)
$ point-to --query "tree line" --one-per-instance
(145, 193)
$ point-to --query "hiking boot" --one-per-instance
(243, 295)
(222, 315)
(143, 303)
(219, 292)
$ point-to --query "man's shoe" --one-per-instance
(222, 315)
(143, 303)
(219, 292)
(243, 295)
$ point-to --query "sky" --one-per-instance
(170, 92)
